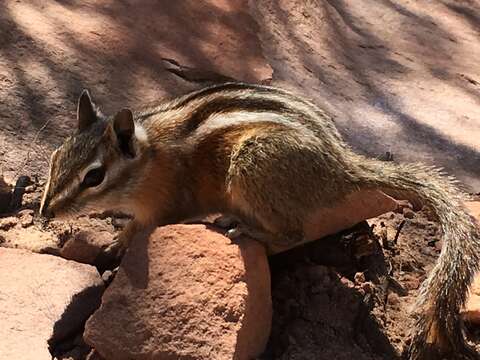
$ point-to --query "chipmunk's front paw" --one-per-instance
(111, 255)
(243, 230)
(234, 234)
(231, 225)
(226, 222)
(116, 249)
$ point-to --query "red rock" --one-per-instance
(26, 217)
(353, 209)
(474, 207)
(471, 311)
(359, 278)
(31, 238)
(7, 223)
(85, 246)
(368, 287)
(43, 299)
(188, 292)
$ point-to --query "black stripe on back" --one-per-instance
(215, 89)
(231, 104)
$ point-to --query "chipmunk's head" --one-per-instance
(93, 168)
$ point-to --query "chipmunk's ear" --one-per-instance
(124, 129)
(86, 115)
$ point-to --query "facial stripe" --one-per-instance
(74, 189)
(68, 192)
(76, 151)
(117, 178)
(47, 190)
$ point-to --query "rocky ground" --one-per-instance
(354, 300)
(399, 77)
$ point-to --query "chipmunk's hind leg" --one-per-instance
(272, 180)
(234, 228)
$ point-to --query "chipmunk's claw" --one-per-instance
(111, 255)
(226, 222)
(115, 249)
(234, 233)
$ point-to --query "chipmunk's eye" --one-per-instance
(94, 177)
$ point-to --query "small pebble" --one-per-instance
(26, 217)
(410, 282)
(426, 250)
(431, 243)
(408, 213)
(393, 299)
(108, 276)
(359, 278)
(368, 287)
(421, 225)
(8, 222)
(346, 282)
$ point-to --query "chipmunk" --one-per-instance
(276, 162)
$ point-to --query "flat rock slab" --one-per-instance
(375, 67)
(186, 293)
(43, 299)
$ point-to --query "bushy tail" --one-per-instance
(438, 327)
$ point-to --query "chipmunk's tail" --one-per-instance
(438, 328)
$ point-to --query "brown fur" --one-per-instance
(276, 162)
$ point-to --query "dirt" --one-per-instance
(348, 296)
(412, 93)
